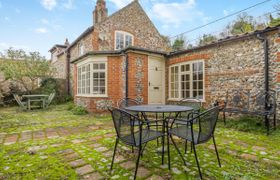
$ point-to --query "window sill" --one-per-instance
(179, 99)
(92, 96)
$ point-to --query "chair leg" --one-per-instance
(197, 163)
(116, 144)
(168, 152)
(137, 162)
(132, 149)
(267, 124)
(176, 147)
(216, 151)
(274, 120)
(186, 146)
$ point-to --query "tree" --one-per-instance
(27, 69)
(179, 43)
(243, 24)
(274, 21)
(207, 38)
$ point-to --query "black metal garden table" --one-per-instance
(172, 110)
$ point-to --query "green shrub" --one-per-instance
(70, 107)
(79, 110)
(50, 85)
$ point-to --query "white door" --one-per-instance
(156, 77)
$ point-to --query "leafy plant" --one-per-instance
(79, 110)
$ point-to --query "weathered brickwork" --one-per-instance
(138, 77)
(60, 66)
(131, 19)
(115, 84)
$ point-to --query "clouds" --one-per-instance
(41, 30)
(176, 13)
(61, 4)
(49, 4)
(120, 3)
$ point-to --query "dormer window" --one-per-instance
(123, 40)
(81, 49)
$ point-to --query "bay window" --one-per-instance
(92, 79)
(186, 80)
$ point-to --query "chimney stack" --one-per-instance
(100, 12)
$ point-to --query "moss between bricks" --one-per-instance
(249, 155)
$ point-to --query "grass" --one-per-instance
(245, 150)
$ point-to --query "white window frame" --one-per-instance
(124, 39)
(180, 82)
(91, 62)
(81, 49)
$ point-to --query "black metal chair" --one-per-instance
(133, 132)
(196, 104)
(126, 102)
(197, 133)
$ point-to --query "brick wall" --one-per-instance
(115, 87)
(138, 77)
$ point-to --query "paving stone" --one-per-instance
(77, 163)
(109, 135)
(35, 149)
(84, 170)
(101, 149)
(143, 172)
(77, 141)
(94, 127)
(128, 165)
(39, 135)
(243, 144)
(155, 177)
(212, 147)
(249, 157)
(232, 152)
(11, 139)
(95, 138)
(25, 136)
(258, 148)
(93, 176)
(95, 145)
(66, 151)
(119, 158)
(70, 157)
(56, 145)
(108, 154)
(51, 133)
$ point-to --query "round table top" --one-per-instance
(158, 108)
(35, 95)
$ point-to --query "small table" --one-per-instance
(159, 109)
(35, 98)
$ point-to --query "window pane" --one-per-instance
(200, 85)
(102, 66)
(102, 75)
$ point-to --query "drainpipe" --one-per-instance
(126, 74)
(68, 72)
(266, 62)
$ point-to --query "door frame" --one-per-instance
(163, 77)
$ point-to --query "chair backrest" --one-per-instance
(194, 103)
(263, 99)
(238, 99)
(207, 123)
(50, 99)
(18, 100)
(126, 102)
(124, 125)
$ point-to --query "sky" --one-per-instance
(36, 25)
